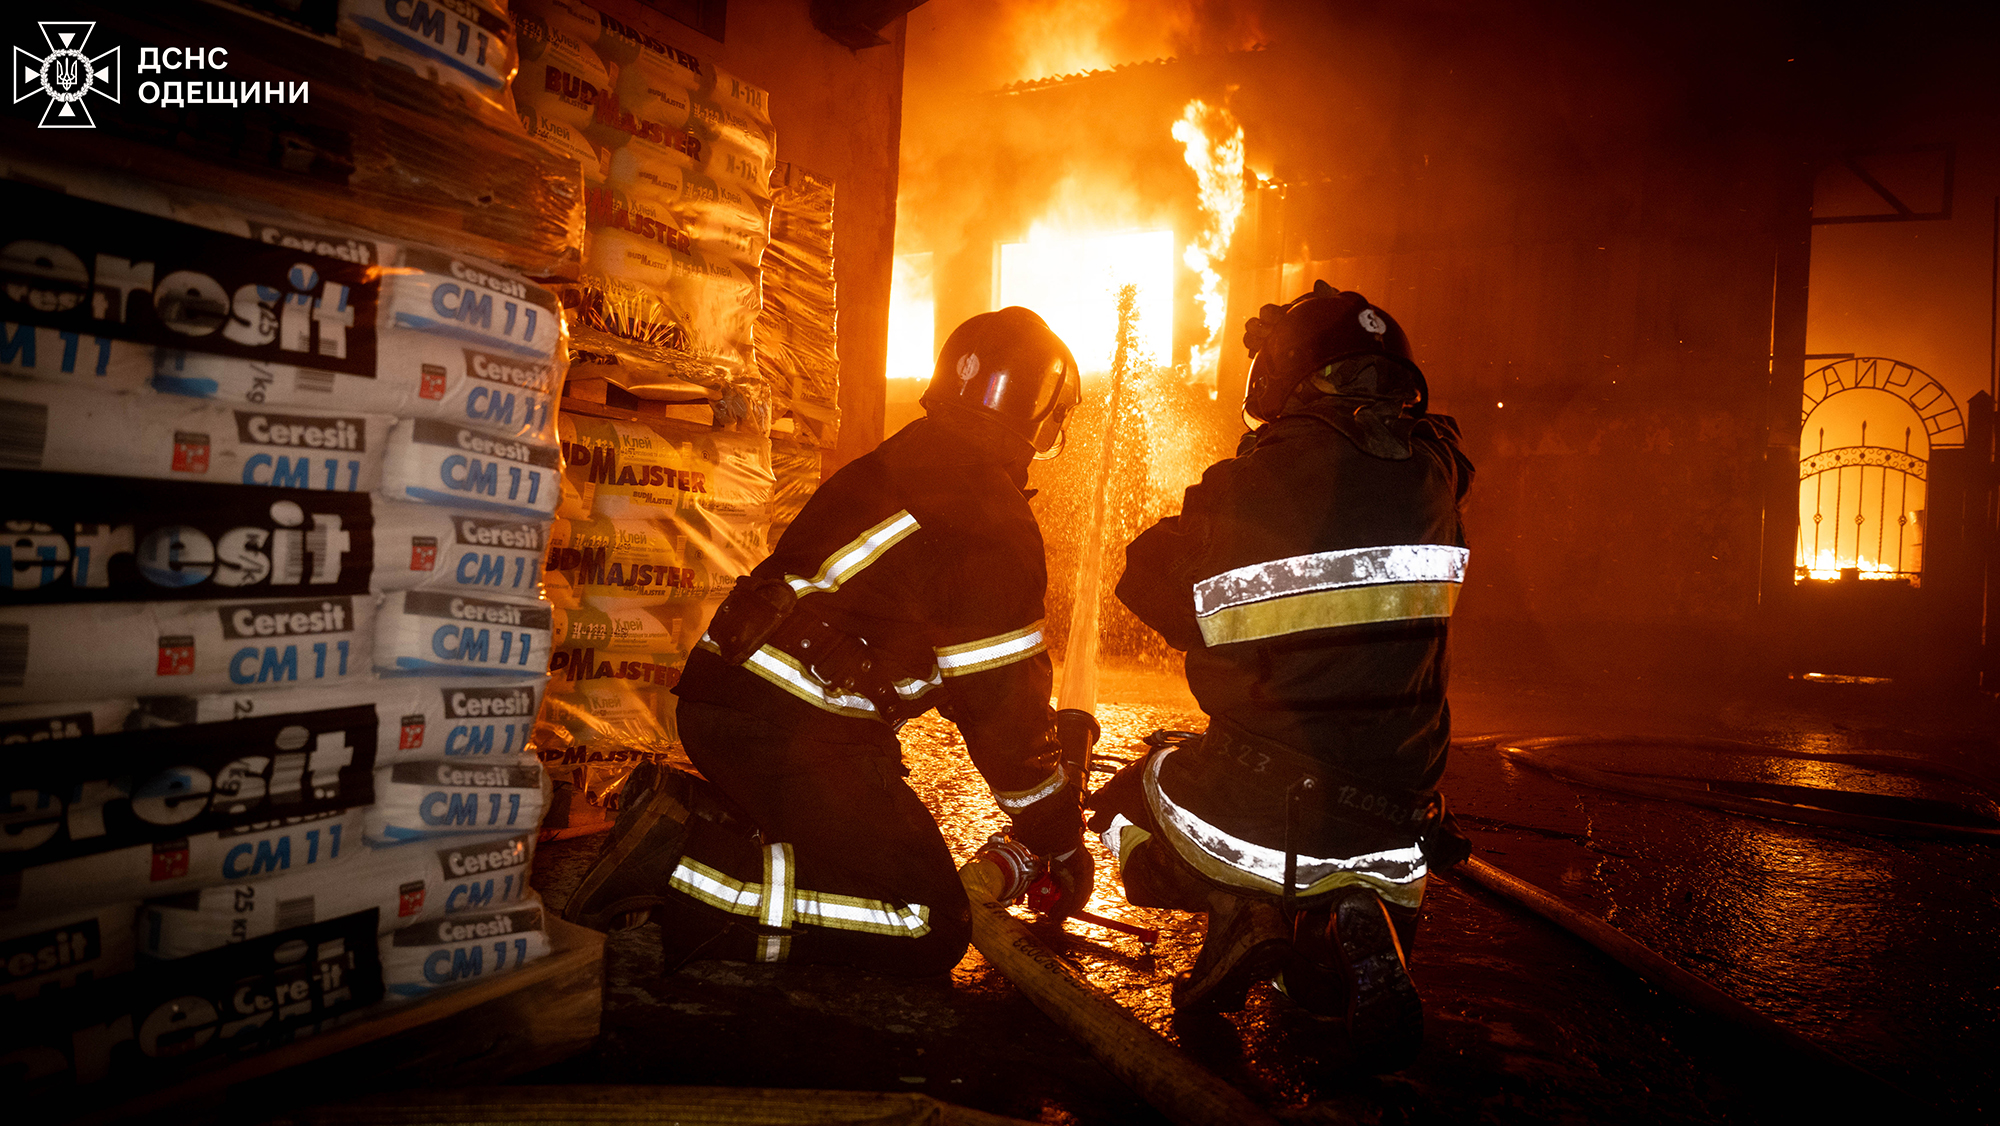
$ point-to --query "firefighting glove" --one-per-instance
(1075, 877)
(1257, 330)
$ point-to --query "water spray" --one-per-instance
(1079, 680)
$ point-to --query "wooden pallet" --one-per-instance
(486, 1031)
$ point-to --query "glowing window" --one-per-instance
(1073, 282)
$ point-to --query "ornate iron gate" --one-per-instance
(1862, 502)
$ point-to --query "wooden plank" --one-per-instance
(687, 1106)
(486, 1031)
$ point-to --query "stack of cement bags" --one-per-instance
(272, 639)
(677, 157)
(657, 519)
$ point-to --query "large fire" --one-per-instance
(1214, 149)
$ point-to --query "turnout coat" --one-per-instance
(1311, 581)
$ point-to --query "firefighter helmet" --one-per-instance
(1312, 338)
(1010, 367)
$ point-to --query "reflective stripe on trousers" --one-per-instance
(1397, 874)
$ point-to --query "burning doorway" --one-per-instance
(1861, 500)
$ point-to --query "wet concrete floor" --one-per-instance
(1875, 947)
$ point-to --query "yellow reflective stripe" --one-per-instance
(698, 880)
(870, 916)
(1329, 570)
(1396, 874)
(784, 670)
(1122, 837)
(1015, 800)
(777, 907)
(1327, 609)
(991, 652)
(844, 564)
(817, 908)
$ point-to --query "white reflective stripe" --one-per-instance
(778, 909)
(873, 915)
(990, 652)
(774, 947)
(1014, 801)
(1267, 865)
(844, 564)
(784, 671)
(910, 689)
(714, 888)
(1121, 837)
(842, 912)
(1330, 570)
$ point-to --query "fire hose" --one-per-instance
(1141, 1058)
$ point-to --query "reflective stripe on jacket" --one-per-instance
(1311, 585)
(925, 549)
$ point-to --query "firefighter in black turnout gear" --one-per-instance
(1310, 580)
(912, 579)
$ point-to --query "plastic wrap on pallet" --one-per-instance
(435, 798)
(120, 1035)
(798, 470)
(618, 565)
(159, 811)
(62, 952)
(668, 470)
(179, 648)
(405, 884)
(424, 957)
(476, 720)
(365, 143)
(83, 538)
(797, 347)
(676, 203)
(468, 44)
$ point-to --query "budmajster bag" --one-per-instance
(405, 884)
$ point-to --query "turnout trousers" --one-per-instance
(845, 865)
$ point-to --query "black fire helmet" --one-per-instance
(1009, 366)
(1311, 338)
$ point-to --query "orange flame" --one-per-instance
(1213, 144)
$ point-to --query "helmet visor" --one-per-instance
(1052, 428)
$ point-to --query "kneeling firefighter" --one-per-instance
(912, 579)
(1310, 581)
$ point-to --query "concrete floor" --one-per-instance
(1873, 947)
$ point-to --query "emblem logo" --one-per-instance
(66, 75)
(1372, 321)
(968, 366)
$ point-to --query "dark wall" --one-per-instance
(838, 112)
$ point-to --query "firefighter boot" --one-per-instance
(1247, 943)
(630, 877)
(1347, 963)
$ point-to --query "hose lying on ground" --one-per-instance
(1140, 1057)
(1794, 804)
(1663, 975)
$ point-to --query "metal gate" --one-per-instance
(1870, 427)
